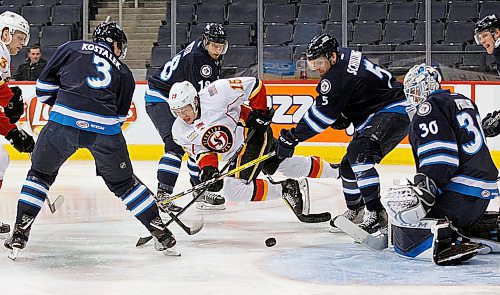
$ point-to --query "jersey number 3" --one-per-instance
(104, 69)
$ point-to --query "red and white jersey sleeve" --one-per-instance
(217, 130)
(5, 92)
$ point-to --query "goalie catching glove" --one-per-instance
(409, 203)
(209, 172)
(15, 109)
(491, 124)
(22, 141)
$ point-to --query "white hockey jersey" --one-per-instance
(217, 129)
(4, 62)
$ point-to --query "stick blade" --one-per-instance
(359, 235)
(195, 228)
(315, 217)
(143, 241)
(13, 254)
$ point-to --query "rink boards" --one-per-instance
(291, 99)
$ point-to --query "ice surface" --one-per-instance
(88, 247)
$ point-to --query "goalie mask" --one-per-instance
(215, 33)
(419, 83)
(109, 33)
(181, 95)
(489, 24)
(14, 22)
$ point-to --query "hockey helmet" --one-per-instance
(321, 45)
(215, 33)
(488, 23)
(14, 22)
(182, 94)
(109, 32)
(419, 82)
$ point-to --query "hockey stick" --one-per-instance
(359, 235)
(306, 218)
(189, 230)
(60, 199)
(204, 186)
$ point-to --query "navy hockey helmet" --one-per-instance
(322, 45)
(488, 23)
(109, 32)
(215, 33)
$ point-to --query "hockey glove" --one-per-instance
(341, 123)
(491, 124)
(209, 172)
(286, 144)
(259, 120)
(22, 141)
(15, 109)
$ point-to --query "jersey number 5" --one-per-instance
(104, 69)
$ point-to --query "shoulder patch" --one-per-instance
(3, 62)
(325, 86)
(424, 109)
(206, 71)
(218, 139)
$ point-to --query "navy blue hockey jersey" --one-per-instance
(496, 55)
(449, 145)
(191, 64)
(88, 87)
(354, 87)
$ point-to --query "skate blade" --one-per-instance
(13, 253)
(334, 230)
(208, 207)
(172, 252)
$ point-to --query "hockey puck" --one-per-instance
(270, 242)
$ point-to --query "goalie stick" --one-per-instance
(359, 235)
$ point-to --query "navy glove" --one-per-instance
(341, 123)
(491, 124)
(286, 144)
(209, 172)
(22, 141)
(260, 120)
(15, 109)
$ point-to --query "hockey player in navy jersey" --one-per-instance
(90, 91)
(455, 179)
(487, 33)
(353, 90)
(198, 63)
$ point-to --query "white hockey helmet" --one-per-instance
(419, 82)
(14, 22)
(182, 94)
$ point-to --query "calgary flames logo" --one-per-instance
(36, 115)
(218, 139)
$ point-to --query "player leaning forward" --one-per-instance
(216, 121)
(455, 179)
(353, 90)
(90, 90)
(14, 35)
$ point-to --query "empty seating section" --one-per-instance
(52, 23)
(374, 26)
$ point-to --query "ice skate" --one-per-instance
(163, 238)
(17, 241)
(296, 195)
(355, 216)
(163, 195)
(456, 252)
(374, 221)
(209, 201)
